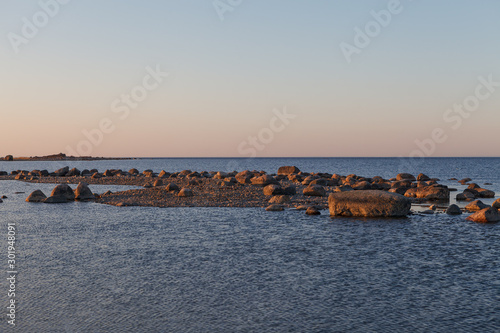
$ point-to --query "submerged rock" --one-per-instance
(36, 196)
(275, 208)
(312, 211)
(428, 193)
(370, 203)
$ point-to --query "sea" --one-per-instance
(86, 267)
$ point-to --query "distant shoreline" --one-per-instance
(61, 157)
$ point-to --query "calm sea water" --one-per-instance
(85, 267)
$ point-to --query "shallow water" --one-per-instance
(85, 267)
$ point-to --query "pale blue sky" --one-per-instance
(226, 78)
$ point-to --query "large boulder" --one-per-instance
(287, 170)
(486, 215)
(172, 187)
(370, 203)
(83, 192)
(36, 196)
(429, 193)
(244, 177)
(73, 172)
(476, 205)
(9, 158)
(423, 178)
(484, 193)
(163, 174)
(61, 193)
(314, 191)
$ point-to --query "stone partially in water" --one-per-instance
(61, 193)
(275, 208)
(476, 205)
(370, 203)
(453, 210)
(83, 192)
(486, 215)
(36, 196)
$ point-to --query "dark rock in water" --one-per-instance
(465, 196)
(315, 191)
(422, 178)
(86, 173)
(453, 210)
(172, 187)
(9, 158)
(61, 193)
(36, 196)
(312, 211)
(61, 172)
(186, 192)
(370, 203)
(83, 192)
(405, 176)
(1, 200)
(4, 173)
(484, 193)
(486, 215)
(429, 193)
(273, 189)
(275, 208)
(476, 205)
(4, 197)
(464, 181)
(287, 170)
(108, 173)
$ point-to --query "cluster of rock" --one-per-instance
(63, 193)
(474, 192)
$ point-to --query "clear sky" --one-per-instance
(250, 78)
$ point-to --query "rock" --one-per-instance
(158, 182)
(433, 207)
(96, 175)
(61, 172)
(60, 193)
(280, 199)
(264, 180)
(1, 200)
(427, 212)
(465, 196)
(3, 173)
(484, 193)
(108, 192)
(55, 200)
(486, 215)
(315, 191)
(244, 177)
(163, 174)
(9, 158)
(172, 187)
(275, 208)
(273, 190)
(464, 181)
(20, 176)
(344, 188)
(308, 180)
(287, 170)
(320, 181)
(86, 173)
(73, 172)
(186, 192)
(453, 210)
(108, 173)
(370, 203)
(496, 204)
(422, 178)
(312, 211)
(428, 193)
(4, 197)
(476, 205)
(36, 196)
(405, 176)
(363, 185)
(290, 190)
(133, 171)
(83, 192)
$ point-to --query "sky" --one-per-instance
(250, 78)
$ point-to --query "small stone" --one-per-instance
(314, 190)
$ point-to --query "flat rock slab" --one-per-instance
(370, 203)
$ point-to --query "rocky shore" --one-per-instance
(350, 195)
(58, 157)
